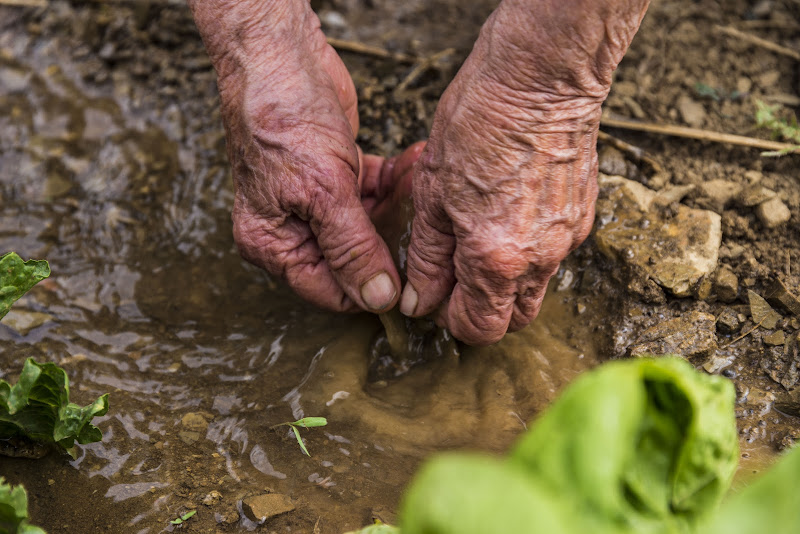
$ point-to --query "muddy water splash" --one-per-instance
(202, 354)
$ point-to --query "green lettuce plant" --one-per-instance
(637, 446)
(37, 407)
(14, 510)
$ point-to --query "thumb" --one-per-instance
(358, 258)
(430, 258)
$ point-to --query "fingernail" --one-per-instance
(408, 302)
(378, 292)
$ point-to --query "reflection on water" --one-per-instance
(202, 353)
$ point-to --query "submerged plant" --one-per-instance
(14, 510)
(305, 422)
(183, 518)
(784, 129)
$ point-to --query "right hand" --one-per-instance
(290, 113)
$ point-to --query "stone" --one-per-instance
(753, 195)
(673, 194)
(778, 295)
(743, 85)
(261, 508)
(778, 337)
(212, 498)
(717, 194)
(194, 422)
(773, 213)
(726, 284)
(23, 321)
(691, 335)
(692, 112)
(728, 322)
(761, 312)
(675, 250)
(612, 161)
(189, 437)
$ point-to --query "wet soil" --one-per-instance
(112, 166)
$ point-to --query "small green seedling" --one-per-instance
(305, 422)
(787, 130)
(184, 517)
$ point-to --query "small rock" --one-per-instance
(23, 321)
(674, 250)
(692, 112)
(717, 194)
(776, 338)
(717, 363)
(753, 195)
(773, 213)
(189, 437)
(728, 322)
(703, 289)
(726, 284)
(580, 308)
(779, 295)
(612, 161)
(212, 498)
(743, 85)
(195, 422)
(625, 88)
(691, 336)
(768, 79)
(761, 312)
(333, 19)
(260, 508)
(673, 194)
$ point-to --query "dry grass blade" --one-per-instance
(367, 50)
(634, 152)
(422, 66)
(694, 133)
(24, 3)
(758, 41)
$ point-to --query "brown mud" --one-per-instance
(112, 166)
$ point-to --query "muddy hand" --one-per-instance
(506, 185)
(290, 113)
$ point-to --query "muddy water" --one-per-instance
(202, 353)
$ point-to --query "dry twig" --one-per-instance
(758, 41)
(693, 133)
(421, 67)
(744, 335)
(24, 3)
(367, 50)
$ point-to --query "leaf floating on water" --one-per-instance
(311, 422)
(17, 277)
(761, 312)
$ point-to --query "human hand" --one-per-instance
(290, 113)
(506, 186)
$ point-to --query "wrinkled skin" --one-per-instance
(503, 191)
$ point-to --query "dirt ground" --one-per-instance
(153, 302)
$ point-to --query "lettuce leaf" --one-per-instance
(377, 528)
(38, 408)
(14, 510)
(17, 277)
(644, 445)
(769, 504)
(638, 446)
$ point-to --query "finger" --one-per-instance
(477, 316)
(358, 258)
(289, 249)
(528, 301)
(429, 268)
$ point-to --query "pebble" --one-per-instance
(773, 213)
(194, 422)
(761, 312)
(690, 335)
(753, 195)
(692, 112)
(726, 284)
(260, 508)
(779, 295)
(728, 321)
(612, 161)
(717, 194)
(776, 338)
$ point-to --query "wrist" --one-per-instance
(567, 48)
(246, 35)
